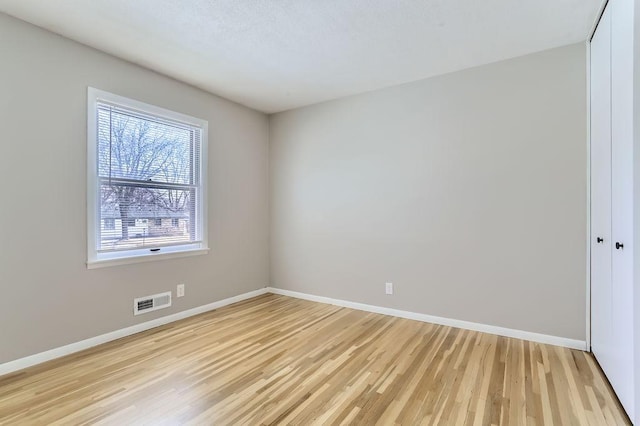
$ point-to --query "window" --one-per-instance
(144, 162)
(158, 222)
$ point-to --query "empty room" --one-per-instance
(382, 212)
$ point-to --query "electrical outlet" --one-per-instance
(389, 288)
(180, 290)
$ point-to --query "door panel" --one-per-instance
(601, 290)
(622, 199)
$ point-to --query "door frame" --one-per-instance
(589, 236)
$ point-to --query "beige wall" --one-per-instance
(467, 191)
(48, 298)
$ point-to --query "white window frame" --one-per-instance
(99, 260)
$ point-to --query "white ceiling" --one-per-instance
(273, 55)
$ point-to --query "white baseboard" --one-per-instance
(19, 364)
(49, 355)
(467, 325)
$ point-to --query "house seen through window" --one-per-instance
(148, 179)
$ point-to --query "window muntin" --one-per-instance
(148, 171)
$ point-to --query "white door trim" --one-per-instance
(589, 236)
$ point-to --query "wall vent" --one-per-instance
(142, 305)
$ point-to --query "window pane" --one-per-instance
(133, 147)
(145, 217)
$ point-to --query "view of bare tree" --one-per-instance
(137, 159)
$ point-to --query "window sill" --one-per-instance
(151, 257)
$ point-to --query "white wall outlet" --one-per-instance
(388, 288)
(180, 290)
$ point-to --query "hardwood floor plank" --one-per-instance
(279, 360)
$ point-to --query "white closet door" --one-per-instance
(601, 289)
(622, 199)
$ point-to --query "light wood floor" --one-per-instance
(274, 359)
